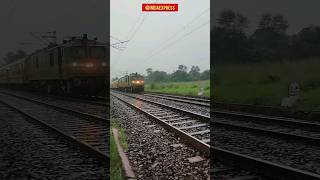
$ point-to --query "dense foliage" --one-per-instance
(269, 42)
(13, 56)
(181, 74)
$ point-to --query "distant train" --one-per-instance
(78, 66)
(129, 83)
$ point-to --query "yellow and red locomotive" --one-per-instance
(129, 83)
(78, 65)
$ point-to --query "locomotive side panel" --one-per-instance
(123, 83)
(16, 73)
(3, 76)
(114, 84)
(44, 66)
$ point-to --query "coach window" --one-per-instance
(37, 62)
(51, 59)
(17, 68)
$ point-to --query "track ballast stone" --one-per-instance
(153, 152)
(293, 154)
(29, 152)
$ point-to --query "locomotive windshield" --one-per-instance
(137, 77)
(79, 52)
(97, 52)
(85, 52)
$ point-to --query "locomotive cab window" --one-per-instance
(97, 52)
(78, 52)
(84, 52)
(37, 62)
(62, 51)
(51, 58)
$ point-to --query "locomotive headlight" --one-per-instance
(74, 64)
(89, 65)
(138, 82)
(104, 64)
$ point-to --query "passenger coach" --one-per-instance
(78, 65)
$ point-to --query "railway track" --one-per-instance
(92, 100)
(169, 117)
(86, 131)
(185, 106)
(290, 131)
(73, 106)
(263, 169)
(221, 170)
(235, 163)
(287, 128)
(184, 99)
(193, 128)
(98, 101)
(269, 111)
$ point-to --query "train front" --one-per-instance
(137, 82)
(87, 66)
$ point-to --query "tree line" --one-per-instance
(269, 41)
(12, 56)
(181, 74)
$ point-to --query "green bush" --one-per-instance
(152, 86)
(170, 85)
(180, 88)
(310, 84)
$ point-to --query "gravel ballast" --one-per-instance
(293, 154)
(153, 152)
(30, 152)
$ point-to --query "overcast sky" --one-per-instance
(68, 18)
(156, 30)
(74, 17)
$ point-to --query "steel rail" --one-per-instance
(282, 135)
(266, 118)
(183, 99)
(192, 141)
(101, 156)
(207, 100)
(95, 118)
(202, 117)
(260, 166)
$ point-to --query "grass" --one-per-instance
(181, 88)
(116, 172)
(267, 83)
